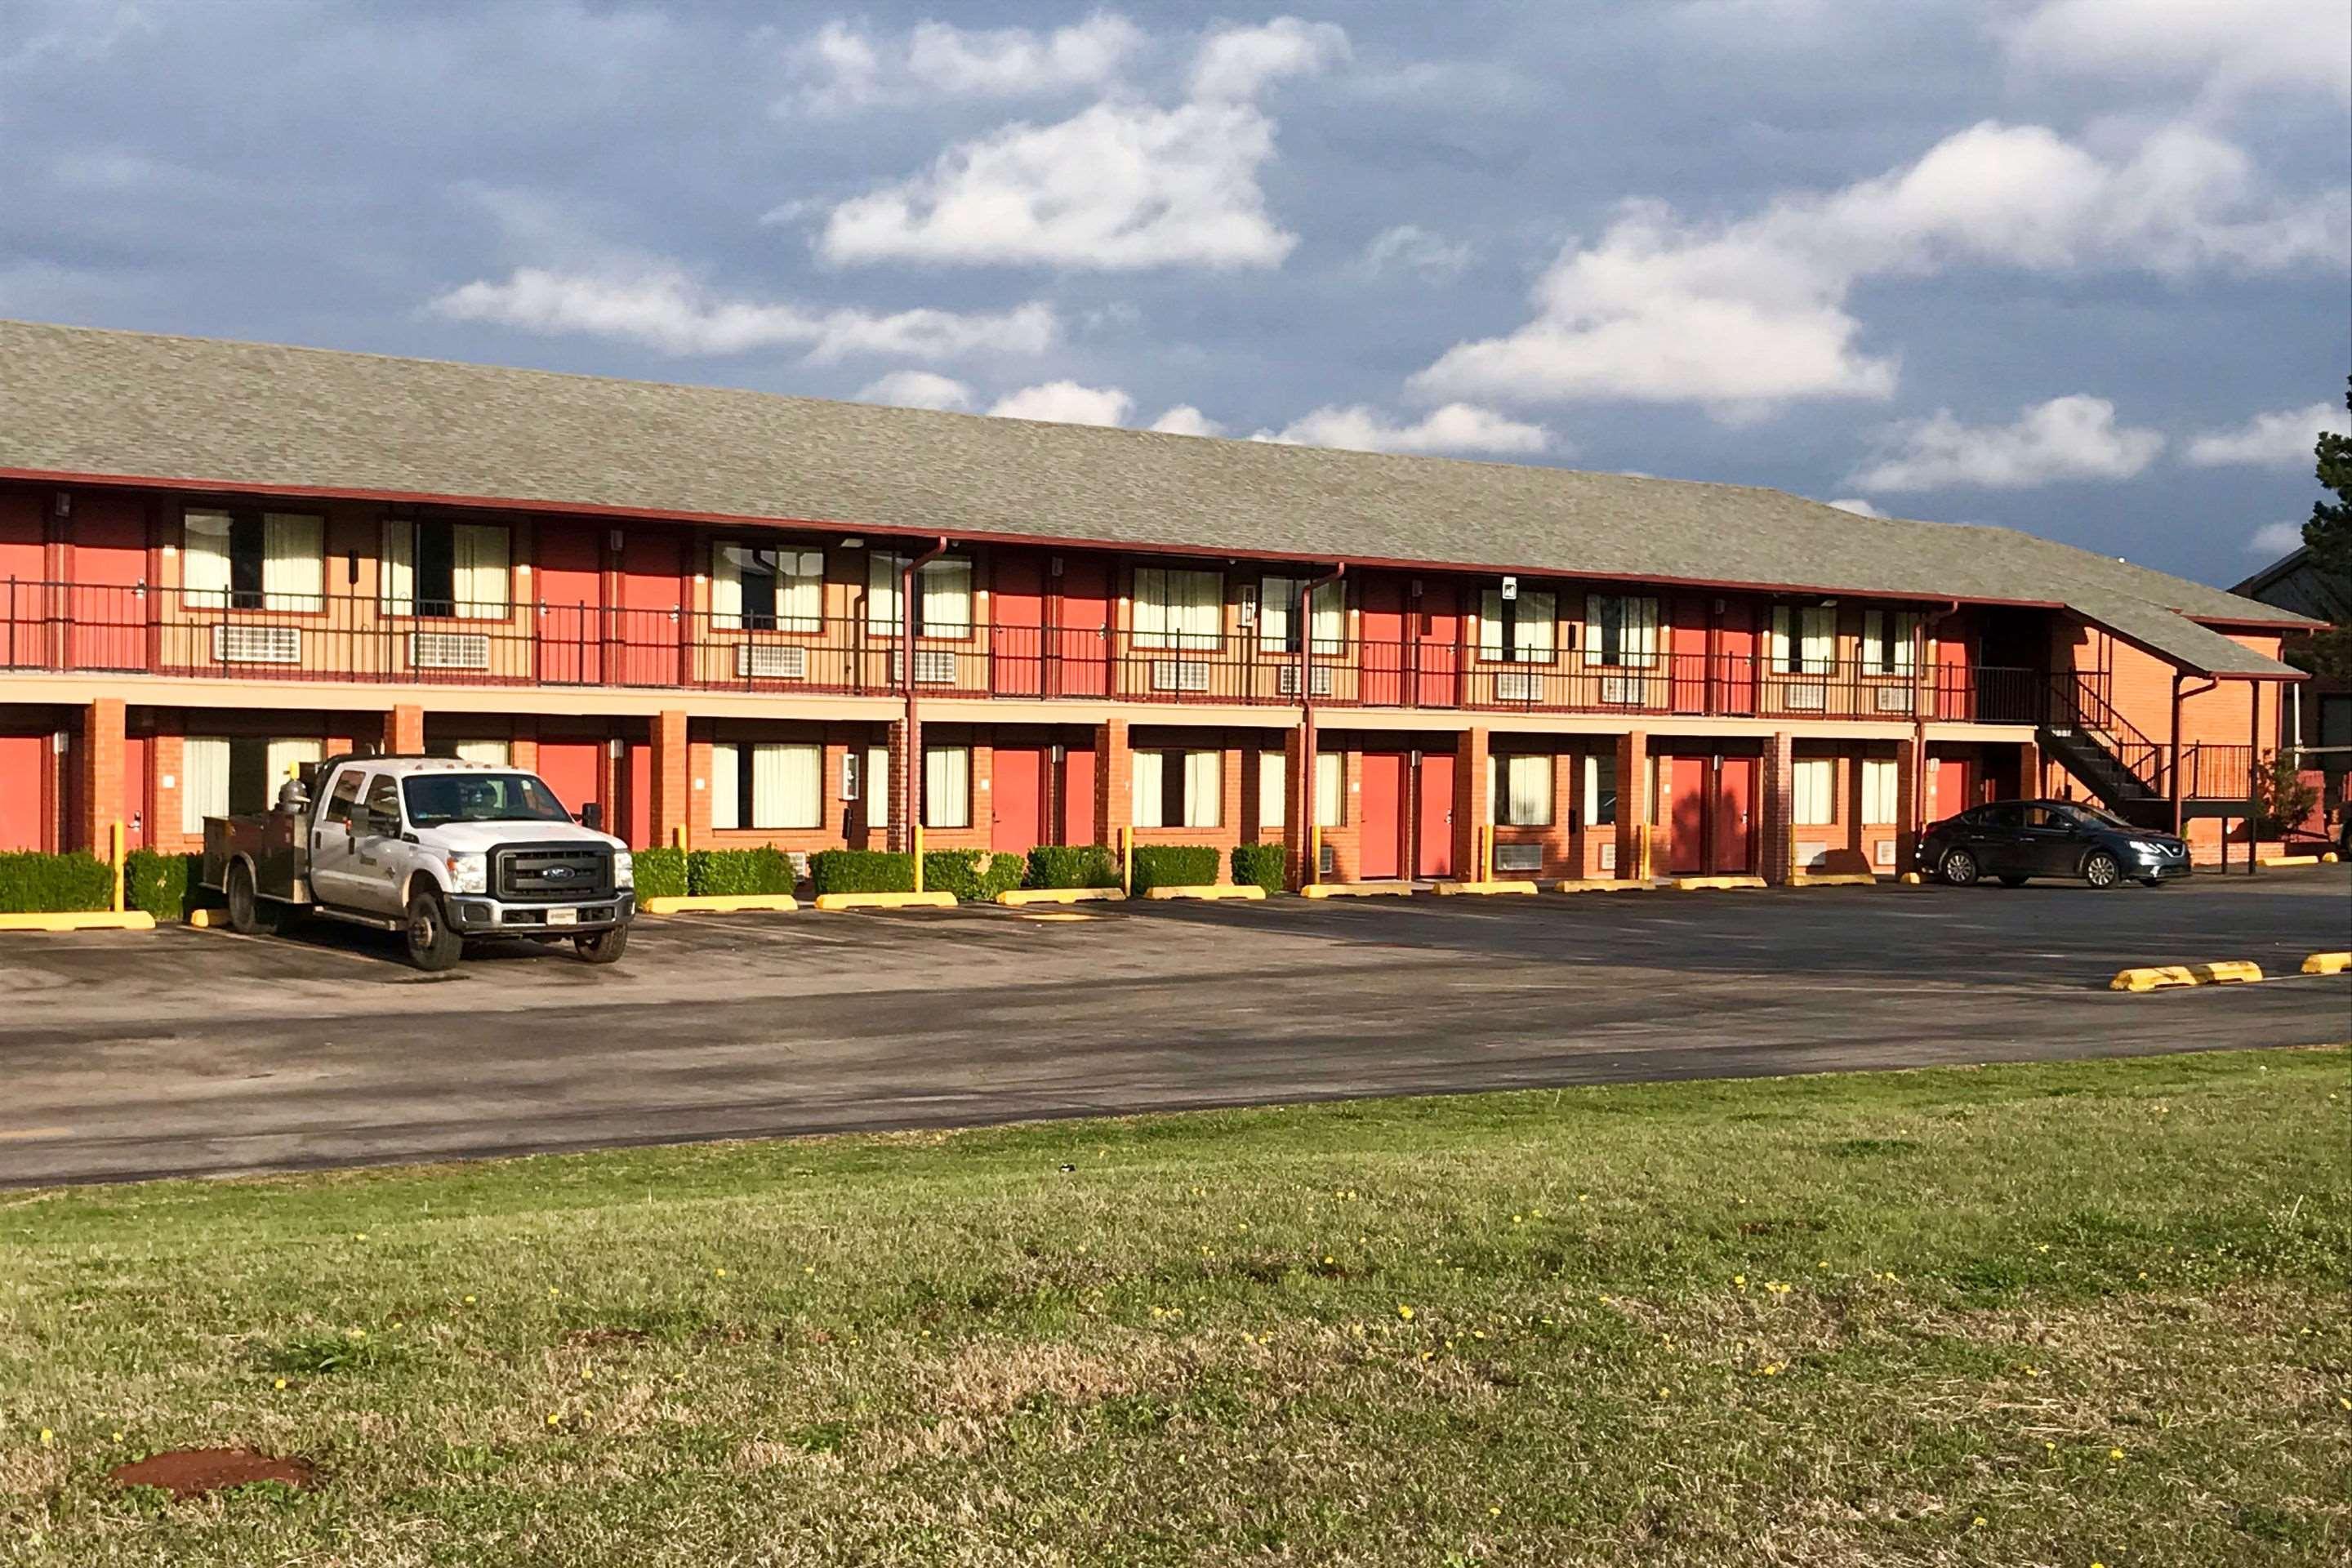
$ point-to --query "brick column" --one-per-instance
(170, 758)
(1634, 804)
(697, 800)
(1473, 798)
(1910, 785)
(404, 730)
(1114, 783)
(1297, 806)
(672, 781)
(896, 835)
(1777, 843)
(97, 791)
(2030, 782)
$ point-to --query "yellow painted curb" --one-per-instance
(1833, 879)
(2328, 964)
(721, 904)
(209, 919)
(1355, 890)
(1454, 890)
(2330, 858)
(2159, 977)
(1248, 890)
(1018, 897)
(81, 920)
(1911, 880)
(1715, 884)
(1602, 885)
(2290, 860)
(834, 903)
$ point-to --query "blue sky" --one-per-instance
(2075, 265)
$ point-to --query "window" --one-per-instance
(384, 799)
(1272, 789)
(1178, 609)
(498, 753)
(1600, 791)
(766, 786)
(757, 590)
(223, 775)
(1881, 796)
(1517, 630)
(1520, 791)
(1177, 789)
(448, 569)
(942, 596)
(1815, 792)
(253, 561)
(1804, 641)
(342, 805)
(1277, 616)
(1887, 641)
(1620, 631)
(947, 786)
(877, 786)
(1328, 788)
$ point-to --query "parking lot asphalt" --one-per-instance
(127, 1056)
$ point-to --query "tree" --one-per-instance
(2284, 798)
(2328, 537)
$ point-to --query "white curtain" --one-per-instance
(286, 760)
(1328, 622)
(946, 602)
(800, 590)
(396, 569)
(877, 786)
(204, 781)
(498, 753)
(1600, 779)
(1887, 641)
(1532, 638)
(1178, 609)
(947, 786)
(477, 572)
(1526, 784)
(788, 786)
(293, 570)
(768, 786)
(726, 587)
(1817, 629)
(1272, 789)
(1204, 788)
(1631, 625)
(883, 615)
(1880, 796)
(1815, 794)
(1327, 790)
(1147, 784)
(204, 560)
(726, 791)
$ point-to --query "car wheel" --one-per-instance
(603, 946)
(432, 945)
(2101, 869)
(244, 903)
(1958, 867)
(2012, 879)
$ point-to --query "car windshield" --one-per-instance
(436, 798)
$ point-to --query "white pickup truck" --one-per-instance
(436, 849)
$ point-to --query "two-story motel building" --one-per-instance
(755, 619)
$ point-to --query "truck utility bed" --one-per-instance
(273, 840)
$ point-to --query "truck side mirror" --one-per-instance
(592, 816)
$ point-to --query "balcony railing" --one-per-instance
(258, 635)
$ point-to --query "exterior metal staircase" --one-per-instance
(2123, 769)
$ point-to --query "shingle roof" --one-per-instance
(77, 400)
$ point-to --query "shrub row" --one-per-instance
(1261, 864)
(1071, 866)
(35, 883)
(166, 886)
(661, 874)
(1173, 866)
(767, 870)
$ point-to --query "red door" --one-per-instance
(107, 611)
(1081, 664)
(1436, 851)
(574, 769)
(1736, 656)
(1686, 652)
(1381, 815)
(1684, 783)
(1383, 658)
(1079, 795)
(24, 759)
(568, 586)
(636, 812)
(1016, 622)
(1956, 697)
(1947, 788)
(24, 619)
(1733, 850)
(1437, 648)
(1017, 799)
(645, 630)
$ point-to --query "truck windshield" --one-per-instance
(436, 798)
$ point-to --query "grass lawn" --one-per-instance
(2062, 1315)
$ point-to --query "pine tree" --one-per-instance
(2328, 537)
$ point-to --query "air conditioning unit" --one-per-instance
(1622, 690)
(933, 666)
(1608, 852)
(1318, 679)
(1522, 858)
(1812, 857)
(1809, 697)
(256, 644)
(1882, 852)
(1894, 699)
(1180, 675)
(780, 661)
(1517, 686)
(448, 650)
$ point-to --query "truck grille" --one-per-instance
(553, 873)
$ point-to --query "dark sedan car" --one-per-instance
(2015, 839)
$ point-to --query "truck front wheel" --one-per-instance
(603, 946)
(432, 945)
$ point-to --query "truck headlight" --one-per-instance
(625, 870)
(469, 873)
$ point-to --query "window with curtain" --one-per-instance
(204, 781)
(1277, 614)
(1516, 631)
(943, 598)
(498, 753)
(1331, 794)
(221, 775)
(1178, 609)
(766, 590)
(766, 785)
(1272, 789)
(1519, 789)
(456, 570)
(1804, 639)
(1887, 641)
(253, 561)
(1600, 790)
(1177, 789)
(876, 786)
(1880, 794)
(1814, 792)
(1620, 631)
(947, 786)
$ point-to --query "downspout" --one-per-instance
(914, 796)
(2175, 768)
(1311, 857)
(2253, 791)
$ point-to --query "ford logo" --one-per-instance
(558, 873)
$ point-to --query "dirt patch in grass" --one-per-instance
(191, 1472)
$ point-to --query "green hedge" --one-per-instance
(861, 871)
(661, 874)
(1174, 866)
(34, 883)
(1072, 866)
(166, 886)
(973, 876)
(766, 870)
(1262, 864)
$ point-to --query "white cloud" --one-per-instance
(1237, 63)
(1066, 402)
(1186, 420)
(1413, 249)
(917, 389)
(1754, 312)
(2228, 49)
(2275, 539)
(2279, 440)
(1456, 427)
(1859, 507)
(843, 67)
(661, 306)
(2071, 437)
